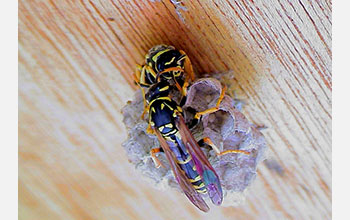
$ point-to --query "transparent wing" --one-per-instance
(204, 168)
(185, 185)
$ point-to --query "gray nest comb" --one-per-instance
(227, 128)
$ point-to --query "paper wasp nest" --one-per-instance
(227, 128)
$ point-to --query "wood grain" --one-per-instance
(75, 64)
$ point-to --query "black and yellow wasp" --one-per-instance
(166, 69)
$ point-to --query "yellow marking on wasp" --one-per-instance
(149, 129)
(168, 138)
(170, 133)
(175, 113)
(139, 67)
(149, 69)
(153, 110)
(154, 58)
(183, 57)
(162, 106)
(179, 108)
(199, 187)
(164, 88)
(160, 98)
(185, 161)
(170, 125)
(171, 108)
(194, 168)
(202, 191)
(143, 75)
(172, 60)
(195, 179)
(177, 73)
(161, 128)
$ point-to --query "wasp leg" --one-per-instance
(137, 75)
(149, 129)
(188, 66)
(182, 89)
(185, 85)
(214, 109)
(189, 73)
(208, 141)
(178, 86)
(169, 70)
(156, 161)
(145, 106)
(150, 70)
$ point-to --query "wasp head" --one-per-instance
(163, 57)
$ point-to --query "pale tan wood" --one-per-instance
(75, 64)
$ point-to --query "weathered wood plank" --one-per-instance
(75, 64)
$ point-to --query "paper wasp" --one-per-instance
(190, 166)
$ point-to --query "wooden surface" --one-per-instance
(75, 64)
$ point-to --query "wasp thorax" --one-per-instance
(160, 89)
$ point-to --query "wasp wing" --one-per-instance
(185, 185)
(204, 168)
